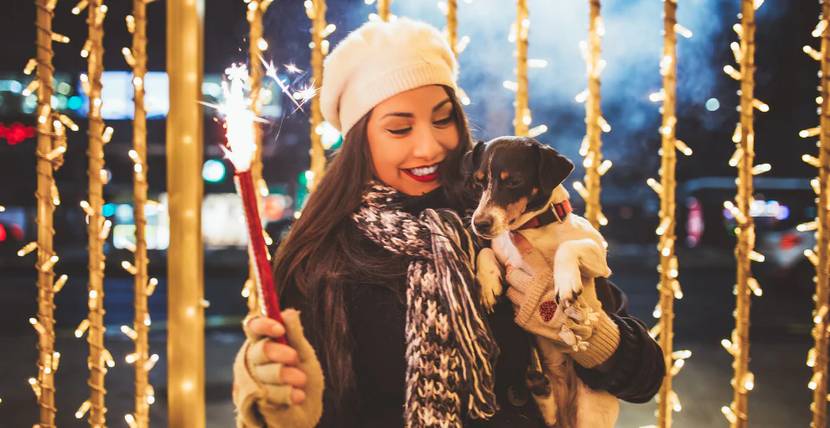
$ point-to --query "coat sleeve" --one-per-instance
(635, 371)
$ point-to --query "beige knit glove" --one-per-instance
(580, 327)
(261, 399)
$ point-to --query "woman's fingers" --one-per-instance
(293, 376)
(278, 374)
(280, 353)
(297, 396)
(262, 326)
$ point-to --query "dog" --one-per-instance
(520, 181)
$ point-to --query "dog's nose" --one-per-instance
(483, 225)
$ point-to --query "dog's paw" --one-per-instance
(489, 276)
(568, 282)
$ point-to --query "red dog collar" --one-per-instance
(556, 212)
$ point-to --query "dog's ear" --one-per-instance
(472, 159)
(553, 168)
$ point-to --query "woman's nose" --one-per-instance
(427, 146)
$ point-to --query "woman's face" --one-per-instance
(409, 135)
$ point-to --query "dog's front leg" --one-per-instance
(489, 275)
(575, 259)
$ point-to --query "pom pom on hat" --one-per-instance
(380, 60)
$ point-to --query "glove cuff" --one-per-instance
(535, 290)
(602, 344)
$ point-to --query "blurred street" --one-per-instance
(780, 340)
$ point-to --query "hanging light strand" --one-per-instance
(593, 118)
(384, 7)
(44, 385)
(737, 413)
(817, 358)
(137, 25)
(98, 227)
(521, 118)
(319, 50)
(256, 44)
(668, 268)
(452, 26)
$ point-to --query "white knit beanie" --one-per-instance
(379, 60)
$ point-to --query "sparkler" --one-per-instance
(239, 129)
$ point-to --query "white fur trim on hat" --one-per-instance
(378, 61)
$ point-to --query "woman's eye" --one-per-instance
(444, 122)
(401, 131)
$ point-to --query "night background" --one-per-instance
(786, 79)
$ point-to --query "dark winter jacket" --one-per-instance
(377, 315)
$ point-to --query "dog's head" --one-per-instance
(515, 175)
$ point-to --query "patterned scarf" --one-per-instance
(450, 350)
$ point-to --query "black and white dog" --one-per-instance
(520, 181)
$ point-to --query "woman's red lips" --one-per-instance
(423, 178)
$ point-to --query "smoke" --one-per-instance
(632, 47)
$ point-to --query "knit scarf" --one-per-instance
(450, 350)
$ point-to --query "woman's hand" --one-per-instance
(277, 385)
(580, 327)
(272, 363)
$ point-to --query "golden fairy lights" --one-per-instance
(450, 10)
(669, 286)
(819, 256)
(51, 145)
(256, 45)
(743, 380)
(522, 117)
(136, 57)
(98, 227)
(519, 34)
(595, 124)
(320, 30)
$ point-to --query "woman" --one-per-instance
(380, 252)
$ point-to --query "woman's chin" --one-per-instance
(418, 189)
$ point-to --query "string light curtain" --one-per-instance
(256, 45)
(452, 25)
(521, 28)
(819, 257)
(669, 286)
(595, 124)
(140, 358)
(99, 227)
(316, 12)
(384, 9)
(51, 144)
(743, 381)
(450, 10)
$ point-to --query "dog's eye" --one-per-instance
(512, 182)
(479, 180)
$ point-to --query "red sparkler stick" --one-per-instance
(257, 250)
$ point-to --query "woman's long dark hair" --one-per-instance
(319, 255)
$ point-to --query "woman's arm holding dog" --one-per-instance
(635, 371)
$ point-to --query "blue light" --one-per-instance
(75, 102)
(108, 209)
(213, 171)
(712, 104)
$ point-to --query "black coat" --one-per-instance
(377, 315)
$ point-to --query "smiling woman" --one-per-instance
(379, 266)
